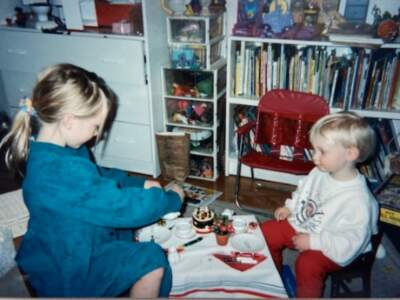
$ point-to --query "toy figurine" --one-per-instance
(249, 18)
(206, 169)
(278, 17)
(174, 7)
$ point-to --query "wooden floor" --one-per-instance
(259, 194)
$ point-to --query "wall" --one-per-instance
(7, 9)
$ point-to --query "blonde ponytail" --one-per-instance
(16, 142)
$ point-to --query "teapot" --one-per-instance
(176, 7)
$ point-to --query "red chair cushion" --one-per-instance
(260, 160)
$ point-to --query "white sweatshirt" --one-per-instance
(340, 216)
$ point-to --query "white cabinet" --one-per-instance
(129, 64)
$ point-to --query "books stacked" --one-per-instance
(13, 212)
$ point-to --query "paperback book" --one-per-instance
(196, 196)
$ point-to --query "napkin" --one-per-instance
(240, 261)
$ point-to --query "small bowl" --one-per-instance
(239, 225)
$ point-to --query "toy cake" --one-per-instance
(203, 219)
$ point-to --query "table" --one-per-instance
(200, 274)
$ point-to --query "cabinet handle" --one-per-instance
(17, 51)
(112, 61)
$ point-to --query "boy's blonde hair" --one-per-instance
(60, 89)
(348, 129)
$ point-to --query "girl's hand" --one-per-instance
(176, 188)
(281, 213)
(301, 241)
(151, 183)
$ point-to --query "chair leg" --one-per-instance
(366, 279)
(237, 184)
(252, 174)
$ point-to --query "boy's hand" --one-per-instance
(301, 241)
(176, 188)
(281, 213)
(151, 183)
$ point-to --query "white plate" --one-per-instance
(161, 234)
(171, 216)
(246, 242)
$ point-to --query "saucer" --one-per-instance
(160, 234)
(171, 216)
(186, 235)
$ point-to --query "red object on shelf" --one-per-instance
(108, 13)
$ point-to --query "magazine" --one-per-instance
(196, 195)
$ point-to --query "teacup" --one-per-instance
(239, 225)
(183, 229)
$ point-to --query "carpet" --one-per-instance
(385, 271)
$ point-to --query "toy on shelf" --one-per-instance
(190, 32)
(190, 112)
(387, 27)
(183, 91)
(187, 57)
(279, 16)
(175, 7)
(204, 7)
(201, 167)
(249, 18)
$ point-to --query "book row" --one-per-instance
(346, 77)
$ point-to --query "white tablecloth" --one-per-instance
(199, 274)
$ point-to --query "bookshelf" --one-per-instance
(353, 77)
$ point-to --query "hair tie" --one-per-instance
(25, 105)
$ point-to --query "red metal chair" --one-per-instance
(284, 119)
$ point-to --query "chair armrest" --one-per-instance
(242, 130)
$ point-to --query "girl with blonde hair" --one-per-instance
(77, 244)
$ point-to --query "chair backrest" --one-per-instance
(285, 117)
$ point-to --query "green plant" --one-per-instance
(222, 225)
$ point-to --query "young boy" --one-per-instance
(332, 214)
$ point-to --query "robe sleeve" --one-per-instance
(122, 177)
(98, 200)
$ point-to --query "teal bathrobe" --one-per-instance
(78, 243)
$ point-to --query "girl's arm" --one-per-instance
(98, 200)
(122, 177)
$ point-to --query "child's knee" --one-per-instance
(157, 274)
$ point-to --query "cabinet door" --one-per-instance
(16, 85)
(133, 102)
(127, 147)
(116, 60)
(19, 51)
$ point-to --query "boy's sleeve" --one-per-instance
(290, 203)
(348, 236)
